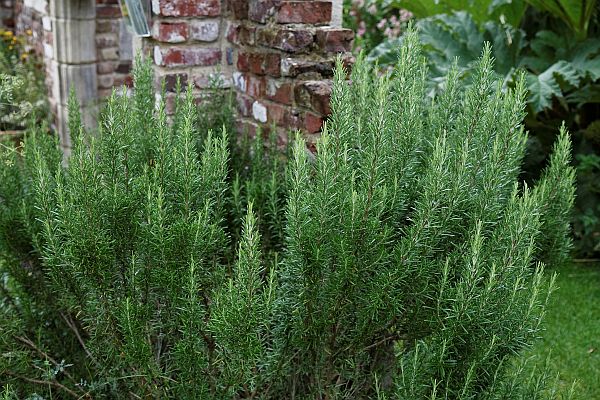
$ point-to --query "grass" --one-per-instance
(572, 336)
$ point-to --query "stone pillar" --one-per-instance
(73, 62)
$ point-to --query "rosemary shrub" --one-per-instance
(402, 261)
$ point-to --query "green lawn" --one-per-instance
(572, 336)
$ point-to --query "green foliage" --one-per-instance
(557, 67)
(18, 106)
(510, 11)
(378, 22)
(374, 21)
(403, 262)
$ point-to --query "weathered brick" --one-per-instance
(314, 95)
(108, 11)
(312, 122)
(244, 104)
(170, 101)
(212, 80)
(102, 93)
(109, 53)
(272, 65)
(288, 40)
(123, 80)
(239, 8)
(186, 56)
(229, 55)
(243, 62)
(261, 10)
(106, 67)
(304, 12)
(294, 119)
(255, 86)
(239, 81)
(124, 67)
(280, 92)
(276, 113)
(106, 81)
(293, 67)
(260, 112)
(170, 32)
(241, 34)
(104, 40)
(334, 40)
(205, 31)
(107, 25)
(259, 63)
(187, 8)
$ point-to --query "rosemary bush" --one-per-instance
(400, 262)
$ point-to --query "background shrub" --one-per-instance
(19, 65)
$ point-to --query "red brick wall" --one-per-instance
(113, 64)
(186, 44)
(278, 54)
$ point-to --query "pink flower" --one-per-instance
(362, 28)
(405, 15)
(381, 24)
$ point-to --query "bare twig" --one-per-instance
(382, 341)
(46, 383)
(586, 260)
(71, 324)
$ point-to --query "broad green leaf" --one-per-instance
(450, 37)
(566, 71)
(549, 45)
(386, 53)
(586, 58)
(507, 45)
(544, 86)
(541, 89)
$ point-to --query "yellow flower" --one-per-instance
(8, 34)
(10, 47)
(23, 56)
(28, 32)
